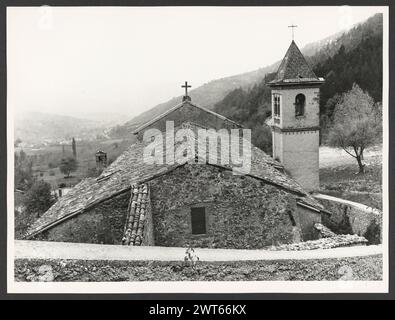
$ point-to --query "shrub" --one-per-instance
(191, 257)
(372, 233)
(68, 166)
(22, 220)
(38, 199)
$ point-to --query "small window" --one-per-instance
(300, 101)
(198, 220)
(276, 105)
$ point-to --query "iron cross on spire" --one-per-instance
(186, 86)
(292, 26)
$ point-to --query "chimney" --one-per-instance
(101, 160)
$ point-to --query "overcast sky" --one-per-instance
(126, 60)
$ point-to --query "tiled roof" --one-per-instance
(130, 168)
(137, 212)
(294, 68)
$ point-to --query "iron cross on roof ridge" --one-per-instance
(293, 27)
(186, 86)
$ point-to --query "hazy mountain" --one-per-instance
(214, 91)
(37, 127)
(105, 118)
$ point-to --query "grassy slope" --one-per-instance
(339, 177)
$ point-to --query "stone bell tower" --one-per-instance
(295, 118)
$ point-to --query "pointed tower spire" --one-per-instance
(294, 68)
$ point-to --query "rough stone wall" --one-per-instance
(356, 268)
(241, 212)
(347, 219)
(191, 114)
(102, 224)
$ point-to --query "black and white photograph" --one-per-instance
(197, 149)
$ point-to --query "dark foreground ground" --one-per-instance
(355, 268)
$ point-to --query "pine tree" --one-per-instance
(73, 145)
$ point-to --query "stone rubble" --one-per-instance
(324, 231)
(341, 240)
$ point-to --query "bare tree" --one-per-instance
(356, 124)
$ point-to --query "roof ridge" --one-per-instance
(176, 107)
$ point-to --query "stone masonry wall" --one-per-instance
(102, 224)
(346, 219)
(241, 212)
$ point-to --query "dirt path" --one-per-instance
(62, 250)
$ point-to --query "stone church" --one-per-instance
(199, 204)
